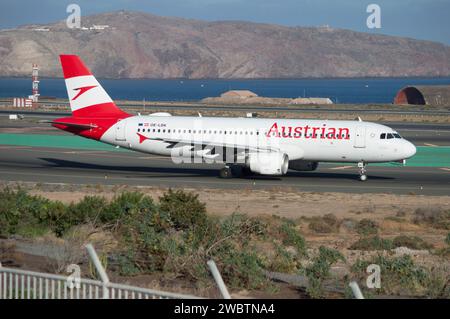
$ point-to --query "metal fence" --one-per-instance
(25, 284)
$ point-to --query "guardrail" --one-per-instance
(25, 284)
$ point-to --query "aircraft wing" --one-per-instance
(176, 141)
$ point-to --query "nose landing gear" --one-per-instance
(362, 171)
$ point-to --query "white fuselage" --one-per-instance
(309, 140)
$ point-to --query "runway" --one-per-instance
(51, 165)
(87, 163)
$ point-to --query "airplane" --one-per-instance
(243, 145)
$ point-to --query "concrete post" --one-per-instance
(218, 278)
(356, 291)
(101, 271)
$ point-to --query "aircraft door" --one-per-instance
(120, 130)
(360, 137)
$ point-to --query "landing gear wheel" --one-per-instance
(226, 172)
(362, 171)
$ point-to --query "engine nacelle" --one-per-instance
(300, 165)
(268, 163)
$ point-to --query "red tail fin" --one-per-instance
(86, 96)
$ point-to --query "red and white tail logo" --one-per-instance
(87, 97)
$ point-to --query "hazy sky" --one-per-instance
(421, 19)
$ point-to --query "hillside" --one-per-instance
(138, 45)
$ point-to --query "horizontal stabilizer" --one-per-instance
(75, 125)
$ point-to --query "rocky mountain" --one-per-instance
(138, 45)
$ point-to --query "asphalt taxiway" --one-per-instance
(51, 165)
(32, 156)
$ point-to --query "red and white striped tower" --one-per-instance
(35, 85)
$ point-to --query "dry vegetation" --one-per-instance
(303, 235)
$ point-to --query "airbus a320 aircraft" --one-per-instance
(253, 145)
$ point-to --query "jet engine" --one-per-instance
(300, 165)
(268, 163)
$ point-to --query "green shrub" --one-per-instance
(58, 218)
(282, 261)
(447, 239)
(89, 209)
(184, 208)
(412, 242)
(372, 243)
(242, 269)
(366, 227)
(319, 270)
(21, 212)
(144, 237)
(325, 224)
(399, 275)
(291, 237)
(126, 206)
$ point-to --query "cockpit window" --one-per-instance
(397, 135)
(389, 136)
(383, 136)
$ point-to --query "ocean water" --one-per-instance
(361, 90)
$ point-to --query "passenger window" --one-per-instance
(383, 136)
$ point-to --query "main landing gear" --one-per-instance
(229, 171)
(226, 172)
(362, 171)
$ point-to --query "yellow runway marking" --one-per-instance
(341, 167)
(445, 169)
(432, 145)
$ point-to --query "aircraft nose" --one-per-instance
(409, 149)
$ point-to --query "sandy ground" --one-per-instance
(290, 204)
